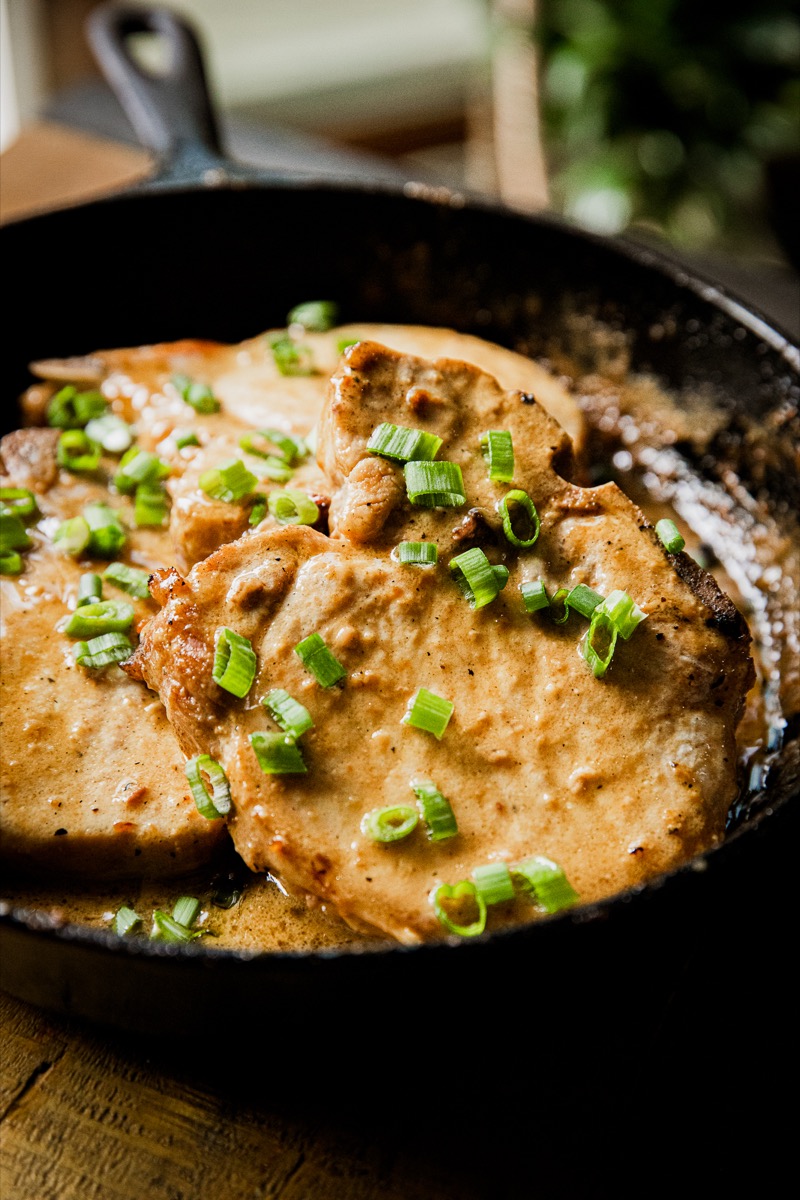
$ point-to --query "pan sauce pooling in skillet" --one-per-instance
(615, 779)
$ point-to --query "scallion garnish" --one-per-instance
(498, 453)
(150, 507)
(234, 663)
(230, 481)
(559, 609)
(72, 536)
(547, 883)
(316, 316)
(10, 562)
(516, 507)
(289, 713)
(345, 344)
(403, 445)
(104, 616)
(130, 579)
(259, 509)
(106, 531)
(583, 600)
(184, 438)
(599, 643)
(12, 532)
(278, 754)
(111, 432)
(90, 589)
(534, 595)
(71, 409)
(389, 824)
(167, 929)
(434, 484)
(186, 911)
(103, 651)
(291, 358)
(139, 468)
(436, 810)
(621, 609)
(277, 470)
(214, 803)
(493, 883)
(76, 452)
(198, 396)
(126, 921)
(465, 898)
(318, 659)
(670, 536)
(290, 507)
(478, 580)
(429, 712)
(19, 501)
(417, 554)
(274, 443)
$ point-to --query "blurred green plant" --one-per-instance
(663, 114)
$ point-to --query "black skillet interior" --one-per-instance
(225, 259)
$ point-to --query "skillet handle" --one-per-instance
(171, 113)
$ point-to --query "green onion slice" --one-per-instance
(184, 438)
(72, 536)
(186, 911)
(434, 484)
(104, 616)
(111, 432)
(167, 929)
(10, 562)
(20, 501)
(289, 713)
(234, 663)
(403, 445)
(435, 809)
(478, 580)
(464, 897)
(103, 651)
(417, 554)
(670, 536)
(71, 409)
(599, 643)
(259, 509)
(498, 453)
(546, 881)
(140, 467)
(318, 659)
(230, 481)
(291, 358)
(277, 470)
(429, 712)
(559, 609)
(12, 532)
(584, 600)
(90, 589)
(290, 507)
(493, 883)
(274, 443)
(623, 612)
(150, 507)
(198, 396)
(390, 824)
(522, 513)
(345, 343)
(77, 452)
(106, 531)
(130, 579)
(216, 802)
(316, 316)
(126, 921)
(534, 595)
(278, 754)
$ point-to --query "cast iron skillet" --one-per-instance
(210, 249)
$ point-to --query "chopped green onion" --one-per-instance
(150, 508)
(291, 358)
(140, 468)
(77, 452)
(259, 509)
(111, 432)
(534, 595)
(103, 651)
(493, 882)
(417, 554)
(72, 536)
(126, 921)
(671, 537)
(184, 438)
(526, 514)
(435, 484)
(198, 396)
(90, 589)
(105, 616)
(277, 470)
(214, 803)
(71, 409)
(230, 481)
(559, 609)
(278, 754)
(404, 445)
(429, 712)
(130, 579)
(498, 453)
(318, 659)
(345, 344)
(290, 507)
(20, 501)
(390, 824)
(289, 713)
(106, 531)
(12, 532)
(460, 892)
(316, 316)
(285, 446)
(10, 562)
(167, 929)
(186, 911)
(478, 580)
(234, 663)
(547, 882)
(584, 600)
(599, 643)
(436, 810)
(620, 608)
